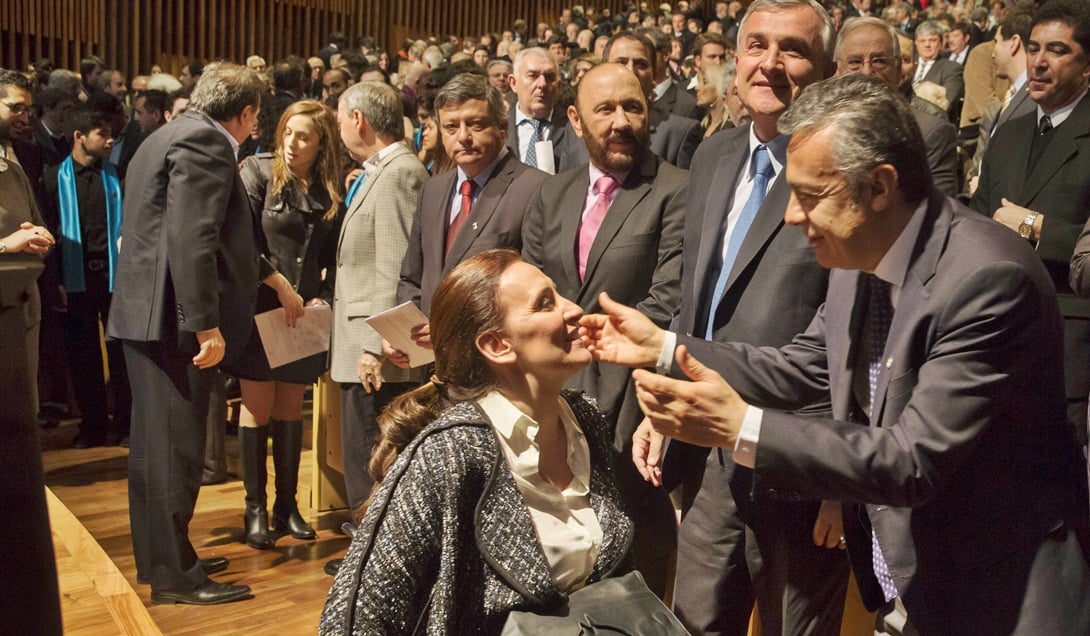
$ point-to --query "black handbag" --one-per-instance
(622, 606)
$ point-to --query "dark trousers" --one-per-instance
(166, 456)
(726, 560)
(359, 432)
(85, 310)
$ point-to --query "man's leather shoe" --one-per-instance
(333, 566)
(210, 566)
(209, 593)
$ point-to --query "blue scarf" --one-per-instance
(72, 245)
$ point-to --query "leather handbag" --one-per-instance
(621, 606)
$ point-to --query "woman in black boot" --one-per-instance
(297, 193)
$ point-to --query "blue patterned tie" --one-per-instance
(876, 330)
(762, 175)
(531, 150)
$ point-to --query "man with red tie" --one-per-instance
(615, 225)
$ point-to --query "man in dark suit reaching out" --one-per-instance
(940, 345)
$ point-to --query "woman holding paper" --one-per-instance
(297, 193)
(497, 487)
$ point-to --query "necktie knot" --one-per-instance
(762, 163)
(467, 187)
(1045, 125)
(605, 185)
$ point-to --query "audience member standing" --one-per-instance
(183, 302)
(535, 117)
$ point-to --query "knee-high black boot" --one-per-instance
(253, 446)
(287, 446)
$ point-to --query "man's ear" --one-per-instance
(576, 123)
(883, 186)
(495, 348)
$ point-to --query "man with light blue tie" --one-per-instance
(537, 117)
(747, 277)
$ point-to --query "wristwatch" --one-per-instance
(1025, 229)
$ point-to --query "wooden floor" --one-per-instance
(289, 586)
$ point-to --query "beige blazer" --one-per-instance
(374, 237)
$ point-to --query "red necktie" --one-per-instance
(588, 229)
(463, 213)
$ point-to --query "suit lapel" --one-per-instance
(361, 195)
(914, 295)
(845, 304)
(437, 217)
(632, 191)
(1019, 97)
(571, 212)
(769, 219)
(483, 210)
(715, 214)
(1059, 151)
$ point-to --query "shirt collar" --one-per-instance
(482, 178)
(596, 173)
(660, 89)
(374, 160)
(1061, 114)
(1020, 81)
(893, 268)
(521, 117)
(230, 138)
(777, 150)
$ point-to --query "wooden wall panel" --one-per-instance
(132, 35)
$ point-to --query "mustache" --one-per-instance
(621, 136)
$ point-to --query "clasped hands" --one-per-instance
(704, 411)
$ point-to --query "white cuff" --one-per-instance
(666, 355)
(745, 449)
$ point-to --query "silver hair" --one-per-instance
(434, 58)
(930, 27)
(873, 124)
(225, 90)
(379, 104)
(828, 31)
(535, 51)
(851, 24)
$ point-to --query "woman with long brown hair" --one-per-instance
(497, 488)
(297, 192)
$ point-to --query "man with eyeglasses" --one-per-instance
(869, 46)
(24, 234)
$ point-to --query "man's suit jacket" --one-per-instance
(1059, 188)
(673, 138)
(775, 285)
(942, 155)
(968, 465)
(636, 257)
(679, 102)
(495, 221)
(949, 75)
(568, 149)
(995, 116)
(188, 259)
(54, 149)
(371, 248)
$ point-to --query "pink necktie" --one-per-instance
(588, 229)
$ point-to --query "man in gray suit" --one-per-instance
(941, 346)
(615, 225)
(931, 66)
(870, 46)
(184, 293)
(499, 186)
(371, 248)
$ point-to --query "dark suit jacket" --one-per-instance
(495, 221)
(940, 138)
(968, 465)
(948, 74)
(188, 259)
(636, 257)
(568, 149)
(775, 285)
(1059, 188)
(679, 102)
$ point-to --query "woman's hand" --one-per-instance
(289, 299)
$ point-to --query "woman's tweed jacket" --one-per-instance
(450, 524)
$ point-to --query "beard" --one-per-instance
(612, 161)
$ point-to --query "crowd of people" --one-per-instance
(836, 254)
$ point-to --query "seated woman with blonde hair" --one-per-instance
(504, 497)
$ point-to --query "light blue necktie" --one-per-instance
(356, 185)
(531, 150)
(762, 175)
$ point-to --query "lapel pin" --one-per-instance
(474, 227)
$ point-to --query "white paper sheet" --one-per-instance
(396, 325)
(284, 344)
(545, 159)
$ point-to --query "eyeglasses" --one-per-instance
(16, 109)
(876, 63)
